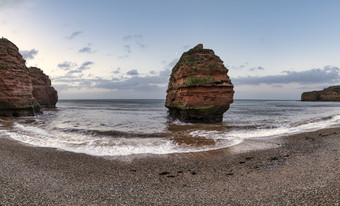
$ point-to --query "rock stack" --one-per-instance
(199, 87)
(20, 90)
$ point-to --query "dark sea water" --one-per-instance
(133, 127)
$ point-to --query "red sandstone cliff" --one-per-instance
(329, 94)
(16, 88)
(43, 92)
(199, 87)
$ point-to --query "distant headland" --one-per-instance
(331, 93)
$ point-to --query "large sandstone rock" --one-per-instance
(43, 92)
(16, 88)
(199, 87)
(328, 94)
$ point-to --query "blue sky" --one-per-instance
(274, 49)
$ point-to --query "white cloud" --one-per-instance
(328, 74)
(73, 35)
(29, 54)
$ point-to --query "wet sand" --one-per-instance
(302, 169)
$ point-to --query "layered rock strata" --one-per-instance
(199, 87)
(43, 92)
(16, 87)
(329, 94)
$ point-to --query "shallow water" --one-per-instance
(126, 127)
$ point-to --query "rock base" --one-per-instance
(198, 115)
(20, 111)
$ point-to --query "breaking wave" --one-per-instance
(120, 132)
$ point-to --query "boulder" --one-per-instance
(199, 87)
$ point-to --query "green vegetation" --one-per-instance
(198, 80)
(194, 59)
(4, 50)
(308, 93)
(333, 88)
(3, 39)
(189, 58)
(4, 66)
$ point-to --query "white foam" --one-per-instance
(268, 133)
(33, 130)
(108, 146)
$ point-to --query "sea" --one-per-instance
(142, 127)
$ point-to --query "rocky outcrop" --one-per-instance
(199, 87)
(16, 88)
(43, 92)
(329, 94)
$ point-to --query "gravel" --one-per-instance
(302, 169)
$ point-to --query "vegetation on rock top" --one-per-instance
(3, 39)
(192, 80)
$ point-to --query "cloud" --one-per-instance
(259, 68)
(157, 83)
(328, 74)
(127, 48)
(134, 85)
(86, 50)
(74, 35)
(135, 36)
(132, 72)
(29, 54)
(14, 4)
(117, 71)
(173, 63)
(240, 67)
(83, 67)
(67, 65)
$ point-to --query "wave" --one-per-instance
(177, 138)
(242, 133)
(101, 143)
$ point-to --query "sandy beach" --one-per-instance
(302, 169)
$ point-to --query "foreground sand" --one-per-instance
(303, 170)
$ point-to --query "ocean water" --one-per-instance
(135, 127)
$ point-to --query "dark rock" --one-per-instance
(164, 173)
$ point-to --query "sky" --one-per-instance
(125, 49)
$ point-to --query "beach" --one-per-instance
(302, 169)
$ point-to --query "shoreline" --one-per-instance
(303, 169)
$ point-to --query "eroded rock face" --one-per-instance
(199, 87)
(16, 88)
(328, 94)
(43, 92)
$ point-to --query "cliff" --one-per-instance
(199, 87)
(16, 87)
(43, 92)
(329, 94)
